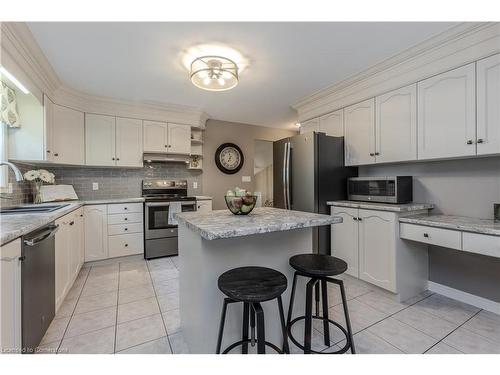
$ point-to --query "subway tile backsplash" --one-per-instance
(113, 182)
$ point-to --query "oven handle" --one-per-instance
(164, 204)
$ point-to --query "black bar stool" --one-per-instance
(252, 286)
(318, 268)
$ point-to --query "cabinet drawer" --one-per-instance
(125, 218)
(124, 208)
(433, 236)
(481, 244)
(126, 244)
(116, 229)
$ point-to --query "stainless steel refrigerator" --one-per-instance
(308, 171)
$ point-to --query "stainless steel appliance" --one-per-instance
(37, 285)
(162, 198)
(393, 189)
(308, 171)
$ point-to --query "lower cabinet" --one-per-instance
(368, 240)
(96, 232)
(10, 296)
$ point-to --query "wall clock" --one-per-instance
(229, 158)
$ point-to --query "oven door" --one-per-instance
(156, 223)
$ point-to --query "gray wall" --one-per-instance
(467, 187)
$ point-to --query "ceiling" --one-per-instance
(286, 61)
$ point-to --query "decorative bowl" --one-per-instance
(241, 205)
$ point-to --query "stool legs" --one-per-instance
(292, 296)
(316, 295)
(244, 335)
(346, 313)
(286, 349)
(252, 326)
(308, 319)
(222, 322)
(261, 335)
(326, 326)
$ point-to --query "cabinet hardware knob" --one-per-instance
(166, 146)
(81, 215)
(56, 154)
(125, 208)
(355, 218)
(426, 235)
(377, 153)
(71, 223)
(117, 158)
(480, 140)
(22, 258)
(125, 219)
(126, 245)
(126, 229)
(48, 151)
(469, 142)
(360, 219)
(112, 158)
(372, 154)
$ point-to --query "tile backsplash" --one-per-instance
(113, 182)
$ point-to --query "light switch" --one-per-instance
(246, 179)
(195, 185)
(95, 186)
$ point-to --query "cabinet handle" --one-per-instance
(125, 219)
(426, 235)
(355, 218)
(360, 219)
(126, 245)
(166, 146)
(81, 215)
(56, 154)
(71, 223)
(48, 151)
(22, 259)
(117, 158)
(372, 154)
(469, 142)
(112, 158)
(377, 153)
(480, 140)
(126, 229)
(125, 208)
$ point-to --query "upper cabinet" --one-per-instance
(332, 124)
(309, 126)
(359, 128)
(447, 114)
(128, 142)
(396, 125)
(488, 105)
(160, 137)
(100, 140)
(67, 143)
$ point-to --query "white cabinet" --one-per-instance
(100, 140)
(128, 142)
(345, 238)
(96, 232)
(359, 129)
(488, 105)
(396, 125)
(332, 124)
(204, 205)
(160, 137)
(10, 296)
(447, 114)
(309, 126)
(68, 136)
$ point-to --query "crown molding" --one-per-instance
(460, 45)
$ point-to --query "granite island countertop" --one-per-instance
(461, 223)
(222, 224)
(13, 226)
(391, 207)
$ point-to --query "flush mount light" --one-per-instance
(214, 73)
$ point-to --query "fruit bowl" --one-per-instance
(240, 205)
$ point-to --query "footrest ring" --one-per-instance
(241, 342)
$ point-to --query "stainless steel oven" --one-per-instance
(393, 189)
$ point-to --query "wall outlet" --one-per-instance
(195, 185)
(95, 186)
(246, 178)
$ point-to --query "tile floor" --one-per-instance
(132, 306)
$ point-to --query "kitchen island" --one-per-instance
(213, 242)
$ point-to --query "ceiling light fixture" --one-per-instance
(214, 73)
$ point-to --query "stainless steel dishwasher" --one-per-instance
(37, 285)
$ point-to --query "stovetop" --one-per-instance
(165, 190)
(167, 197)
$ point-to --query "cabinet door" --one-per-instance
(332, 124)
(446, 114)
(100, 140)
(359, 120)
(62, 259)
(10, 296)
(81, 237)
(128, 142)
(96, 232)
(377, 248)
(179, 139)
(488, 105)
(48, 121)
(396, 125)
(74, 244)
(345, 238)
(310, 126)
(68, 136)
(155, 136)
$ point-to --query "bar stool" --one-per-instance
(252, 286)
(318, 268)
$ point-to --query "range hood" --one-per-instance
(165, 158)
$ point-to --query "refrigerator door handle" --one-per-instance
(285, 153)
(288, 204)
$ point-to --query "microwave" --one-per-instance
(393, 189)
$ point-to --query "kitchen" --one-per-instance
(392, 170)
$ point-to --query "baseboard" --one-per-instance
(465, 297)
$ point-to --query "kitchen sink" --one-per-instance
(32, 209)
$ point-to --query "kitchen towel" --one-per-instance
(174, 208)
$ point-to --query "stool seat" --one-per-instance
(252, 284)
(318, 264)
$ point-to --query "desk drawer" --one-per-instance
(124, 208)
(432, 236)
(125, 228)
(125, 218)
(481, 244)
(126, 244)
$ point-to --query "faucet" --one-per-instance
(17, 172)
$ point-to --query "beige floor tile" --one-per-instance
(91, 321)
(442, 348)
(93, 287)
(381, 302)
(139, 331)
(137, 309)
(178, 343)
(427, 323)
(96, 302)
(135, 293)
(163, 275)
(160, 264)
(402, 336)
(419, 297)
(159, 346)
(167, 287)
(97, 342)
(104, 269)
(175, 261)
(485, 324)
(75, 291)
(361, 315)
(67, 308)
(132, 279)
(317, 340)
(366, 342)
(168, 301)
(447, 308)
(172, 321)
(56, 330)
(471, 343)
(48, 348)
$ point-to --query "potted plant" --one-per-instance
(39, 177)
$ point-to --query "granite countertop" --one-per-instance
(203, 197)
(408, 207)
(221, 224)
(462, 223)
(17, 225)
